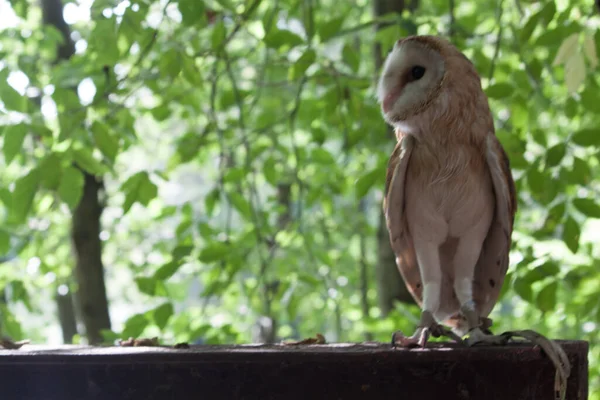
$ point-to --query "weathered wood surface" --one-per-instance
(337, 371)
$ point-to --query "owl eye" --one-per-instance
(417, 72)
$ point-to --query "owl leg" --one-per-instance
(429, 263)
(465, 259)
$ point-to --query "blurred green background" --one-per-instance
(212, 170)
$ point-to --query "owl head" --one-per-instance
(424, 75)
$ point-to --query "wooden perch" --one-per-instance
(332, 371)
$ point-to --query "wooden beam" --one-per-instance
(333, 371)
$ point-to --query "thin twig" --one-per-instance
(451, 25)
(241, 19)
(364, 282)
(499, 13)
(254, 198)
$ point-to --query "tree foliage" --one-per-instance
(244, 156)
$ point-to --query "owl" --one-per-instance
(449, 193)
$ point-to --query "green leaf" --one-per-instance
(366, 181)
(161, 112)
(4, 243)
(523, 289)
(320, 155)
(587, 206)
(218, 35)
(135, 325)
(529, 27)
(23, 195)
(240, 203)
(318, 135)
(499, 90)
(329, 29)
(138, 188)
(227, 4)
(571, 233)
(131, 28)
(555, 154)
(9, 324)
(14, 135)
(50, 171)
(590, 98)
(540, 136)
(302, 64)
(214, 251)
(543, 188)
(277, 38)
(547, 13)
(166, 270)
(106, 142)
(192, 11)
(109, 336)
(235, 175)
(190, 71)
(211, 200)
(70, 189)
(146, 285)
(310, 280)
(549, 268)
(19, 293)
(40, 130)
(170, 63)
(587, 137)
(189, 145)
(84, 158)
(10, 97)
(103, 40)
(506, 285)
(20, 8)
(580, 173)
(6, 197)
(271, 172)
(550, 38)
(182, 251)
(546, 298)
(553, 218)
(206, 231)
(162, 314)
(571, 108)
(351, 57)
(71, 114)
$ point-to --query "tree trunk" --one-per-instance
(390, 286)
(66, 315)
(267, 324)
(85, 230)
(89, 271)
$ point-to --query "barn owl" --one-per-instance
(449, 193)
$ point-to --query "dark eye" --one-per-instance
(417, 72)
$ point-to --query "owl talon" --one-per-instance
(477, 336)
(418, 339)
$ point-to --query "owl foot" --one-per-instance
(477, 336)
(418, 339)
(427, 327)
(479, 332)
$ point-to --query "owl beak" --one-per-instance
(390, 99)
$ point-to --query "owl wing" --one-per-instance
(491, 267)
(393, 208)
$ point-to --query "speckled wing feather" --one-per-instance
(492, 264)
(493, 260)
(393, 208)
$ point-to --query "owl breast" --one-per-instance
(447, 192)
